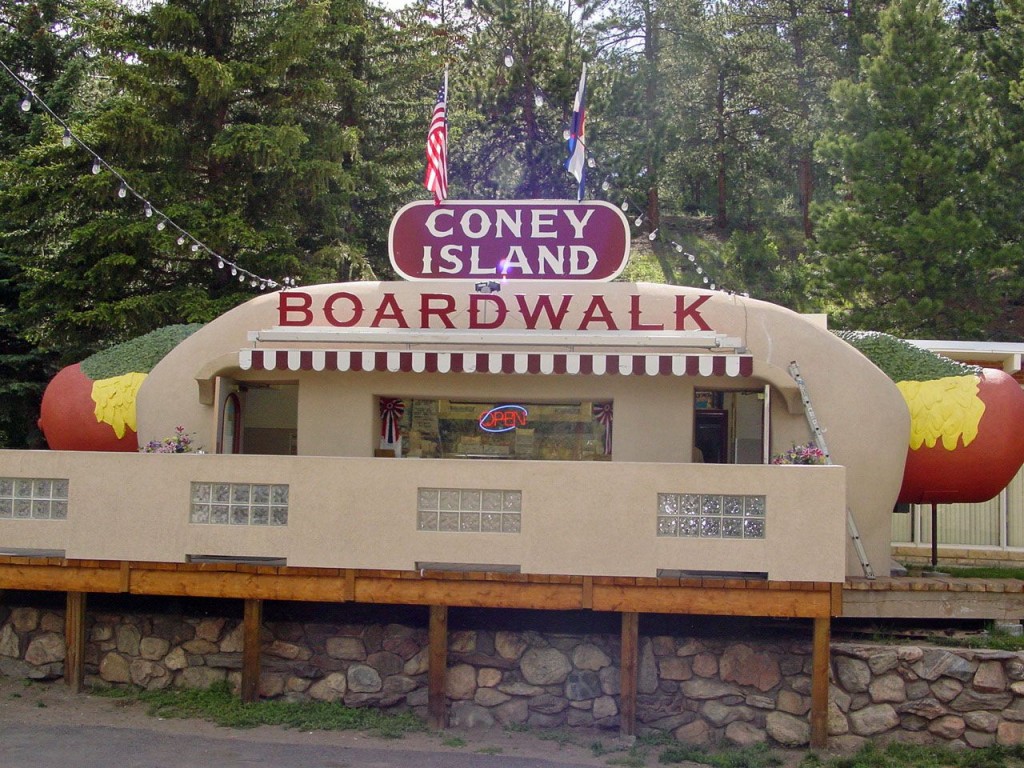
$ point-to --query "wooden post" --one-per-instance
(819, 681)
(935, 535)
(251, 646)
(74, 640)
(629, 664)
(437, 668)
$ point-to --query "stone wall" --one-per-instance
(703, 690)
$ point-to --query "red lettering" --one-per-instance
(597, 311)
(634, 317)
(443, 312)
(388, 309)
(356, 309)
(503, 419)
(683, 312)
(291, 303)
(475, 300)
(531, 315)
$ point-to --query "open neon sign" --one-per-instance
(503, 418)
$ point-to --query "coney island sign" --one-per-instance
(509, 239)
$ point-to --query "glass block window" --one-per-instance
(469, 510)
(33, 498)
(711, 515)
(239, 504)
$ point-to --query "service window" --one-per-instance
(563, 431)
(729, 426)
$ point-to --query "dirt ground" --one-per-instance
(32, 711)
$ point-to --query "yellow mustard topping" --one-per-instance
(115, 401)
(947, 408)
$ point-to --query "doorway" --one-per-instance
(731, 427)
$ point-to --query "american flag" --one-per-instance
(436, 179)
(577, 162)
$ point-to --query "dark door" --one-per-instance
(711, 435)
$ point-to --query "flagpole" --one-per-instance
(577, 162)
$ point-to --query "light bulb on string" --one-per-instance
(96, 167)
(566, 134)
(241, 278)
(509, 58)
(591, 162)
(625, 205)
(181, 240)
(26, 104)
(700, 270)
(220, 263)
(122, 191)
(161, 225)
(605, 185)
(148, 210)
(195, 247)
(691, 257)
(653, 236)
(538, 97)
(705, 279)
(66, 140)
(712, 286)
(234, 271)
(639, 220)
(252, 283)
(679, 248)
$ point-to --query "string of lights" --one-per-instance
(164, 223)
(626, 205)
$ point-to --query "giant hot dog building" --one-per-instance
(508, 426)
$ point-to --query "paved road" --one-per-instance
(23, 745)
(44, 726)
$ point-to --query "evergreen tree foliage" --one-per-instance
(239, 121)
(44, 44)
(995, 30)
(521, 73)
(906, 247)
(285, 135)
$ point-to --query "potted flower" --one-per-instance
(179, 442)
(809, 453)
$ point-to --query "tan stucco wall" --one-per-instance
(578, 518)
(865, 417)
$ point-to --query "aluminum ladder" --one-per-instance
(819, 439)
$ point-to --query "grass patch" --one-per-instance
(988, 572)
(913, 756)
(219, 705)
(453, 741)
(630, 760)
(490, 751)
(757, 756)
(560, 736)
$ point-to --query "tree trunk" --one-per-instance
(721, 219)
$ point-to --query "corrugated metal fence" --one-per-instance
(998, 523)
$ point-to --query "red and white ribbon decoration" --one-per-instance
(391, 410)
(603, 414)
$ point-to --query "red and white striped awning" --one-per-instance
(585, 364)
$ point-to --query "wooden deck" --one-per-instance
(438, 590)
(934, 597)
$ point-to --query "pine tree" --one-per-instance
(906, 248)
(43, 45)
(240, 122)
